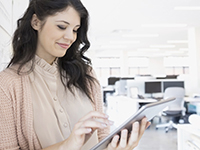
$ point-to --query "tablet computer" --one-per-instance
(148, 111)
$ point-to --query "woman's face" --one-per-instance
(57, 34)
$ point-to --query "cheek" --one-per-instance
(75, 37)
(50, 35)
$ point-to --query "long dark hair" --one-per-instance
(73, 66)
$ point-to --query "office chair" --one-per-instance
(132, 92)
(120, 87)
(174, 111)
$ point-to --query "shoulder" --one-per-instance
(9, 79)
(9, 75)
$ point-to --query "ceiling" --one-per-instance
(150, 28)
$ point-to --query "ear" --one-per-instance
(35, 22)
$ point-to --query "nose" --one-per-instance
(69, 34)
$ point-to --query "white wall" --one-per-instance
(10, 11)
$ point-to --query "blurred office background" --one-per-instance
(134, 42)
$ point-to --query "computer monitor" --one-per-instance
(171, 77)
(112, 80)
(167, 84)
(127, 78)
(153, 87)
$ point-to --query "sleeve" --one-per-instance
(8, 135)
(98, 104)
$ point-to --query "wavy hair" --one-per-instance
(74, 67)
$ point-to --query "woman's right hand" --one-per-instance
(85, 126)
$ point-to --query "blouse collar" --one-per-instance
(45, 66)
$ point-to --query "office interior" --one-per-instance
(138, 50)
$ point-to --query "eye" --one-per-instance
(61, 27)
(76, 30)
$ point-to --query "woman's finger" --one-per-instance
(143, 125)
(123, 138)
(113, 143)
(82, 131)
(148, 124)
(92, 123)
(133, 140)
(93, 114)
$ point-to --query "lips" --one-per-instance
(65, 46)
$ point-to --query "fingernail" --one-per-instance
(116, 138)
(89, 129)
(111, 122)
(106, 116)
(125, 131)
(145, 119)
(136, 124)
(103, 125)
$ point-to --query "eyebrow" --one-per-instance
(67, 22)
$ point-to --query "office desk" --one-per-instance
(188, 137)
(145, 101)
(192, 105)
(192, 100)
(106, 90)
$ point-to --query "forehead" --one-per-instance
(69, 15)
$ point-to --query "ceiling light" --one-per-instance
(148, 49)
(176, 52)
(113, 46)
(165, 25)
(140, 35)
(177, 41)
(187, 8)
(124, 42)
(162, 46)
(184, 49)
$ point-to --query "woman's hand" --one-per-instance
(85, 126)
(129, 142)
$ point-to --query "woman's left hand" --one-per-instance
(127, 142)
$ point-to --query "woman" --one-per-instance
(49, 96)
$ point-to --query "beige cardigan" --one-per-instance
(16, 112)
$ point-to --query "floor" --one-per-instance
(152, 139)
(158, 139)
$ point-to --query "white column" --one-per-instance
(5, 31)
(156, 66)
(194, 57)
(124, 63)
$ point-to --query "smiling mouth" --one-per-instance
(65, 46)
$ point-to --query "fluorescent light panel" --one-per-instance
(113, 46)
(177, 41)
(165, 25)
(140, 35)
(184, 49)
(162, 46)
(148, 49)
(124, 42)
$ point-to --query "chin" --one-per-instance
(61, 54)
